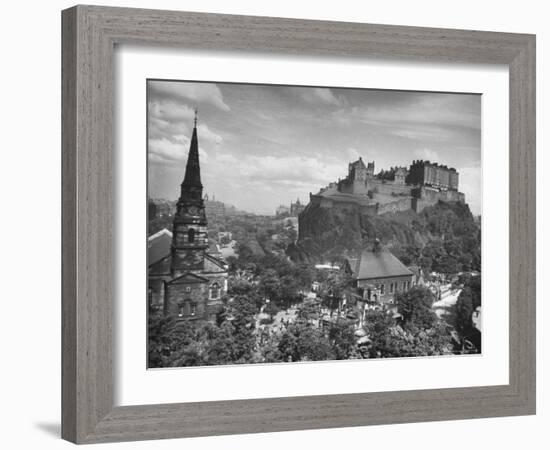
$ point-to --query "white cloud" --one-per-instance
(353, 154)
(291, 170)
(164, 150)
(197, 92)
(170, 111)
(469, 182)
(204, 133)
(427, 154)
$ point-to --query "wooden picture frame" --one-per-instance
(89, 36)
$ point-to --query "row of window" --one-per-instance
(189, 308)
(394, 287)
(214, 292)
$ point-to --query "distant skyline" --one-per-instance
(262, 145)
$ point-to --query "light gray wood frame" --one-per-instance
(89, 36)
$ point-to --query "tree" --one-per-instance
(426, 263)
(333, 289)
(243, 287)
(468, 301)
(242, 312)
(271, 309)
(342, 339)
(270, 285)
(162, 339)
(289, 291)
(389, 340)
(464, 310)
(447, 265)
(302, 342)
(309, 310)
(415, 306)
(220, 344)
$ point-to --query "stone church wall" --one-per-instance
(399, 285)
(182, 293)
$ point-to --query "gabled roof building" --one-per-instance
(378, 275)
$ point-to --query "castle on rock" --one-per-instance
(398, 189)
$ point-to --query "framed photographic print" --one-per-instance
(335, 220)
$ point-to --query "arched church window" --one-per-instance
(191, 235)
(215, 290)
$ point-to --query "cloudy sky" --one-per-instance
(262, 146)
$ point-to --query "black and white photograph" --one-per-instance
(290, 224)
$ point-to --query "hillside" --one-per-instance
(443, 237)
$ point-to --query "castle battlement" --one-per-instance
(423, 184)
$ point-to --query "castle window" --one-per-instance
(382, 289)
(193, 309)
(191, 235)
(181, 310)
(215, 291)
(187, 289)
(391, 288)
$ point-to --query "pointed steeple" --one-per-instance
(193, 170)
(190, 233)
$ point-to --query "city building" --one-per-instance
(160, 208)
(427, 173)
(378, 276)
(215, 210)
(282, 210)
(188, 281)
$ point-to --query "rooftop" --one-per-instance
(158, 245)
(377, 264)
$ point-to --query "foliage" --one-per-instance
(242, 312)
(271, 309)
(415, 305)
(342, 339)
(390, 340)
(333, 288)
(266, 320)
(443, 237)
(468, 300)
(302, 342)
(309, 310)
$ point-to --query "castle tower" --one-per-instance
(370, 169)
(190, 238)
(357, 175)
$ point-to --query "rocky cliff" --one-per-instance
(445, 233)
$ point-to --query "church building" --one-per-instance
(186, 280)
(378, 275)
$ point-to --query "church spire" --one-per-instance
(193, 170)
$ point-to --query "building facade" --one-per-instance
(189, 282)
(378, 276)
(426, 173)
(282, 210)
